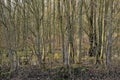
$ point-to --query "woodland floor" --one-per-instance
(61, 73)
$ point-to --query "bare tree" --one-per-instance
(109, 36)
(80, 28)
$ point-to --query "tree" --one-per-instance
(80, 28)
(109, 37)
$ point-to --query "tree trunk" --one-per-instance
(109, 38)
(61, 29)
(80, 30)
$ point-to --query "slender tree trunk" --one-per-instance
(91, 33)
(106, 5)
(67, 9)
(109, 38)
(43, 33)
(80, 29)
(61, 30)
